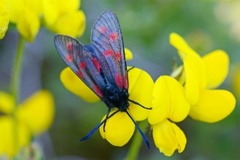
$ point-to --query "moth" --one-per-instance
(101, 65)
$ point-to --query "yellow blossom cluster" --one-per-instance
(59, 16)
(21, 122)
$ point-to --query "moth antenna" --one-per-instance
(140, 131)
(134, 102)
(89, 135)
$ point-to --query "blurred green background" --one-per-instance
(146, 24)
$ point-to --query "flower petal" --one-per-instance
(6, 103)
(213, 106)
(118, 129)
(6, 138)
(195, 78)
(28, 24)
(54, 9)
(194, 68)
(37, 111)
(168, 137)
(128, 54)
(4, 20)
(13, 136)
(140, 91)
(168, 101)
(24, 136)
(181, 45)
(217, 64)
(75, 85)
(72, 24)
(26, 16)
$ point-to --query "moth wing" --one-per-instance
(82, 60)
(107, 40)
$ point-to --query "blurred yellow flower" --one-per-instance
(4, 19)
(169, 105)
(64, 17)
(201, 75)
(17, 125)
(26, 15)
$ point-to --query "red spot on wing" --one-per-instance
(113, 36)
(102, 29)
(82, 65)
(118, 56)
(108, 52)
(119, 80)
(96, 64)
(97, 90)
(125, 81)
(69, 46)
(79, 73)
(69, 57)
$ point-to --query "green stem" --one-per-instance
(16, 70)
(15, 83)
(136, 143)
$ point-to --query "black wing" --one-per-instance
(107, 40)
(82, 60)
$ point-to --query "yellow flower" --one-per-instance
(202, 75)
(119, 128)
(18, 125)
(168, 103)
(4, 19)
(26, 15)
(64, 17)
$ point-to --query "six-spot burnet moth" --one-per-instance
(101, 65)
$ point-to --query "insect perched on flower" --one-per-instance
(101, 66)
